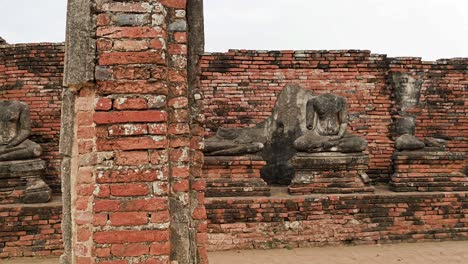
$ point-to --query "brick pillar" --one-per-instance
(132, 136)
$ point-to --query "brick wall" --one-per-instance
(138, 194)
(286, 222)
(33, 73)
(443, 110)
(240, 88)
(31, 230)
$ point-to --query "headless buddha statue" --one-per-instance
(327, 121)
(15, 128)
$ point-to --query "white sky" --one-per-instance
(430, 29)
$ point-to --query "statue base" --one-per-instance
(234, 176)
(330, 172)
(21, 182)
(428, 170)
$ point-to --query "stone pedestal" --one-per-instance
(233, 176)
(21, 182)
(429, 170)
(329, 172)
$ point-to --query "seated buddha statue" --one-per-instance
(15, 128)
(327, 121)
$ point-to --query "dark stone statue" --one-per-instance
(327, 121)
(15, 128)
(19, 160)
(232, 141)
(406, 92)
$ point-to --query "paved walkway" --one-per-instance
(412, 253)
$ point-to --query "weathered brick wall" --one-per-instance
(285, 222)
(31, 230)
(33, 73)
(442, 111)
(138, 195)
(240, 88)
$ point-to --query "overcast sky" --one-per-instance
(430, 29)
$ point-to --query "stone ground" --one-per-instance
(414, 253)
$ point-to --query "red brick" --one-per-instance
(132, 72)
(103, 104)
(158, 157)
(102, 252)
(180, 172)
(177, 76)
(106, 206)
(104, 44)
(130, 45)
(114, 262)
(174, 3)
(177, 129)
(181, 186)
(129, 236)
(130, 250)
(134, 205)
(157, 43)
(126, 7)
(125, 87)
(199, 213)
(160, 217)
(123, 176)
(131, 158)
(180, 49)
(180, 37)
(157, 129)
(129, 190)
(130, 104)
(145, 205)
(84, 118)
(160, 249)
(122, 58)
(129, 117)
(128, 130)
(129, 32)
(128, 218)
(131, 143)
(86, 132)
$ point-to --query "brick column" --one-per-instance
(134, 160)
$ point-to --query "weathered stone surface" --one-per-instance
(3, 41)
(131, 19)
(28, 181)
(327, 120)
(18, 153)
(406, 89)
(408, 142)
(15, 128)
(230, 142)
(330, 172)
(405, 125)
(80, 44)
(435, 142)
(178, 25)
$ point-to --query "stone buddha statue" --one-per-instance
(15, 128)
(327, 121)
(232, 141)
(19, 157)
